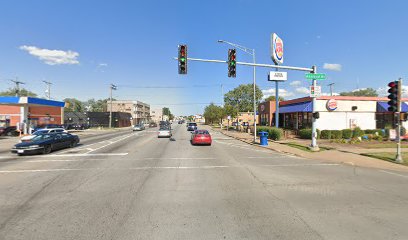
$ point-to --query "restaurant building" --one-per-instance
(335, 113)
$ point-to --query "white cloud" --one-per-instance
(282, 92)
(102, 65)
(52, 57)
(332, 66)
(295, 83)
(302, 90)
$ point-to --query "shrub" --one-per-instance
(357, 132)
(347, 133)
(305, 133)
(336, 134)
(378, 138)
(325, 134)
(273, 132)
(403, 131)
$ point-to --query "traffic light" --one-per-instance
(232, 63)
(182, 58)
(393, 96)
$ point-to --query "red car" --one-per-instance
(201, 137)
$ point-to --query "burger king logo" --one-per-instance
(331, 105)
(276, 49)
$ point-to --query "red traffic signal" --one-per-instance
(393, 96)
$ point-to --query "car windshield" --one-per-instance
(192, 124)
(40, 132)
(202, 132)
(43, 137)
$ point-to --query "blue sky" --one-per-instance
(131, 44)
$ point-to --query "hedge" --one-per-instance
(357, 132)
(347, 133)
(336, 134)
(273, 132)
(306, 133)
(326, 134)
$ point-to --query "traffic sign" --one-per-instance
(278, 76)
(317, 76)
(315, 91)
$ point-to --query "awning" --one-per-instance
(297, 107)
(383, 107)
(31, 101)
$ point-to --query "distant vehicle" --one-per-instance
(9, 131)
(152, 124)
(76, 126)
(138, 127)
(42, 131)
(192, 126)
(201, 137)
(46, 143)
(46, 126)
(164, 132)
(180, 122)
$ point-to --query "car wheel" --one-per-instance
(73, 144)
(47, 149)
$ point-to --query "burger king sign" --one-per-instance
(276, 49)
(331, 105)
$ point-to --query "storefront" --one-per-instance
(27, 112)
(337, 112)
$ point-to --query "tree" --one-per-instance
(230, 110)
(213, 113)
(100, 105)
(242, 97)
(74, 105)
(166, 111)
(367, 92)
(22, 92)
(272, 98)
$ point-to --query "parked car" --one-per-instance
(76, 126)
(42, 131)
(152, 124)
(46, 126)
(138, 127)
(192, 126)
(9, 131)
(201, 137)
(164, 132)
(46, 143)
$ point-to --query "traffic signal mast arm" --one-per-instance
(252, 64)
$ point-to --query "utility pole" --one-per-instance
(17, 86)
(48, 91)
(331, 88)
(314, 146)
(111, 87)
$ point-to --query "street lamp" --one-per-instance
(252, 53)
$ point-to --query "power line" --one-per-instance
(17, 85)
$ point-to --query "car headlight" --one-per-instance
(34, 146)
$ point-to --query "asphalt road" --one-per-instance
(135, 186)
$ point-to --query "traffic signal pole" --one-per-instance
(314, 146)
(398, 158)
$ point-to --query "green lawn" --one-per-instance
(304, 148)
(390, 157)
(381, 145)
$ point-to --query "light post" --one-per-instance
(111, 87)
(250, 52)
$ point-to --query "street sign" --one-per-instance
(276, 49)
(317, 76)
(277, 76)
(315, 91)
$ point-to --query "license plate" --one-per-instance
(20, 151)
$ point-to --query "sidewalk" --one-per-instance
(336, 156)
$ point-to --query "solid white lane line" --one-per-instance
(42, 170)
(183, 158)
(395, 174)
(85, 155)
(300, 165)
(130, 135)
(67, 160)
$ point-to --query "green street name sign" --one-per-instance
(317, 76)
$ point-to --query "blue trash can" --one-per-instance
(263, 136)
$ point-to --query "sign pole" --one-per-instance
(277, 104)
(314, 146)
(398, 158)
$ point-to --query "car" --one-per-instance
(152, 124)
(46, 143)
(46, 126)
(192, 126)
(9, 131)
(42, 131)
(201, 137)
(138, 127)
(164, 132)
(180, 122)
